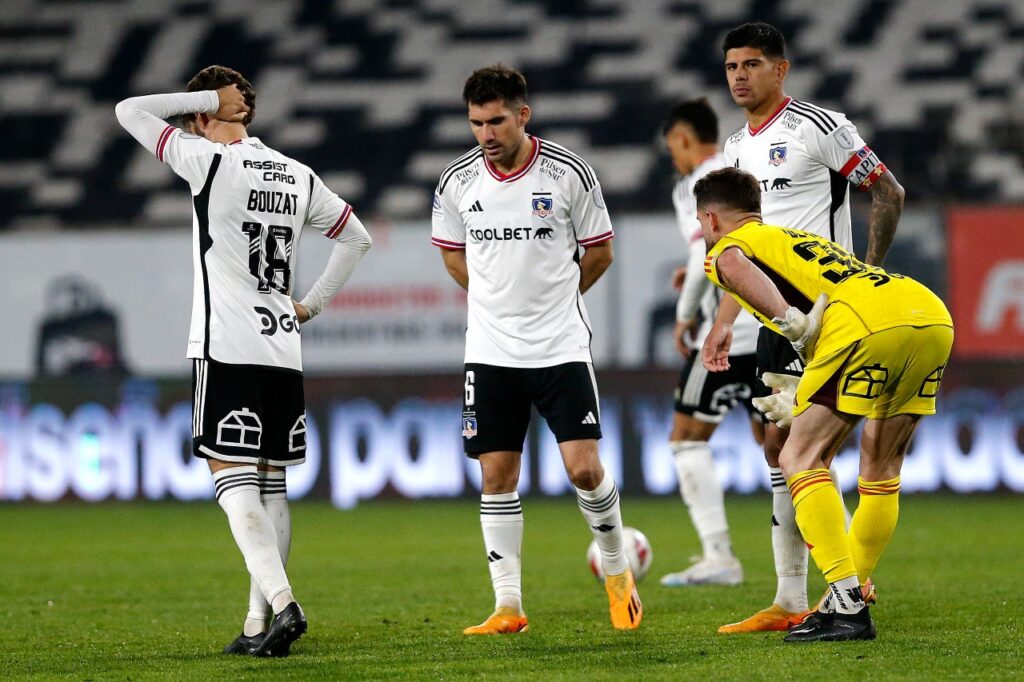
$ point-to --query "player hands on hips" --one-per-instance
(249, 409)
(509, 217)
(875, 346)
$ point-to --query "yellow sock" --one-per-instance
(822, 522)
(873, 523)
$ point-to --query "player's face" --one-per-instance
(676, 139)
(499, 129)
(753, 78)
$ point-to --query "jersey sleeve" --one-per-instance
(189, 156)
(327, 212)
(446, 227)
(843, 150)
(589, 214)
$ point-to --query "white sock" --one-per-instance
(238, 493)
(501, 518)
(846, 596)
(702, 493)
(600, 508)
(274, 497)
(789, 548)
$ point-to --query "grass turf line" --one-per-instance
(153, 591)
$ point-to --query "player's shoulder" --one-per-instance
(736, 136)
(570, 161)
(463, 169)
(815, 119)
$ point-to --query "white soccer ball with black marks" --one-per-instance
(638, 554)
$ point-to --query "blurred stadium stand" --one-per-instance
(368, 91)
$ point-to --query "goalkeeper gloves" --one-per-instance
(778, 407)
(802, 330)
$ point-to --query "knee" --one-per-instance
(586, 475)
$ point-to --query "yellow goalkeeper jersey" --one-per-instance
(863, 299)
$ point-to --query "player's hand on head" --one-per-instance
(715, 353)
(233, 108)
(678, 276)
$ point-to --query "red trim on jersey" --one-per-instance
(340, 225)
(236, 141)
(771, 119)
(854, 160)
(445, 244)
(162, 141)
(591, 241)
(514, 175)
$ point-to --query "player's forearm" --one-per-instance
(455, 263)
(749, 283)
(595, 261)
(348, 250)
(145, 117)
(886, 207)
(694, 285)
(728, 310)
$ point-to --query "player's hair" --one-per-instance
(696, 113)
(758, 35)
(495, 82)
(729, 187)
(216, 76)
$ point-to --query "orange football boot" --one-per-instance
(503, 621)
(623, 601)
(774, 618)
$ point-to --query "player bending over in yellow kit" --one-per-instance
(875, 346)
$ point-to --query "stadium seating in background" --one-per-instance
(368, 91)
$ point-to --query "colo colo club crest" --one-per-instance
(542, 206)
(777, 155)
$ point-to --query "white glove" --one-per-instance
(802, 330)
(778, 407)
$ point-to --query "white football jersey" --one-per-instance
(250, 204)
(805, 158)
(522, 233)
(697, 288)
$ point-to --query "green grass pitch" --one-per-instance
(153, 591)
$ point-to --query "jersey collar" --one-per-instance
(771, 119)
(516, 174)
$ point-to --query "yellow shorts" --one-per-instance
(894, 371)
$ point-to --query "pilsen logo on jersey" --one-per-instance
(777, 155)
(542, 207)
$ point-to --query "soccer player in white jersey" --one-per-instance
(703, 398)
(805, 159)
(250, 206)
(510, 217)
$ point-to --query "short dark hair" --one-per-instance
(495, 82)
(696, 113)
(216, 77)
(729, 187)
(758, 35)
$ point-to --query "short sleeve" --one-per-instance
(447, 229)
(589, 214)
(187, 155)
(327, 213)
(843, 150)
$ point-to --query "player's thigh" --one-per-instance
(813, 437)
(495, 409)
(226, 422)
(884, 444)
(283, 409)
(566, 397)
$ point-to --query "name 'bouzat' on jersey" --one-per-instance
(250, 204)
(522, 233)
(805, 159)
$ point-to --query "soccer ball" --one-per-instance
(638, 554)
